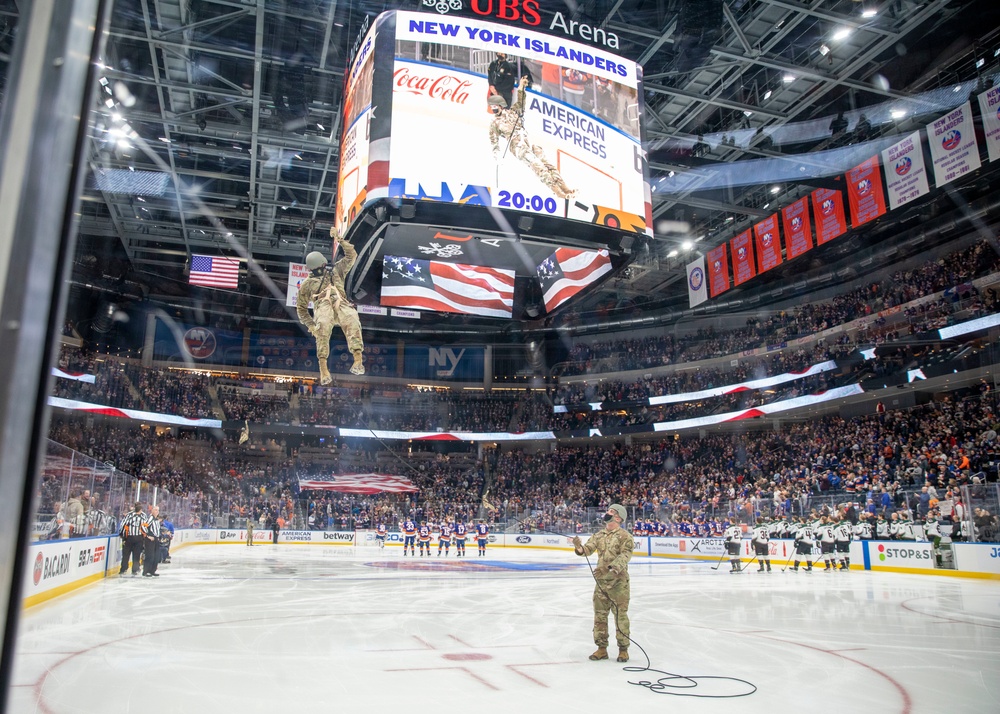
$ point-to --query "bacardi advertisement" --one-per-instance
(954, 151)
(989, 107)
(905, 172)
(743, 266)
(828, 209)
(568, 146)
(864, 191)
(718, 270)
(798, 234)
(768, 244)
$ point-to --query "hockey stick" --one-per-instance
(744, 567)
(716, 566)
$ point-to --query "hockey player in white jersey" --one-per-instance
(803, 547)
(842, 543)
(733, 536)
(761, 541)
(824, 534)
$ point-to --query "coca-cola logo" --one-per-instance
(447, 87)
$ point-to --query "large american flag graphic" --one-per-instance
(357, 483)
(568, 271)
(447, 287)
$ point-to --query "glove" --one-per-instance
(577, 543)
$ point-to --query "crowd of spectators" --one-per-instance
(240, 404)
(953, 272)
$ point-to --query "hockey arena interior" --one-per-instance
(500, 354)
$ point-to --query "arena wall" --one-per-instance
(62, 566)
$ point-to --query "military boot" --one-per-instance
(623, 654)
(600, 653)
(324, 373)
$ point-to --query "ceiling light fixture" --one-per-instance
(775, 189)
(687, 245)
(869, 12)
(897, 113)
(824, 50)
(788, 78)
(842, 34)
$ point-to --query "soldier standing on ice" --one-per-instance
(612, 590)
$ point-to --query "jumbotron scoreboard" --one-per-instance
(462, 195)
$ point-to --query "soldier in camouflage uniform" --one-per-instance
(509, 124)
(611, 592)
(324, 288)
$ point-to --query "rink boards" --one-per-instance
(53, 568)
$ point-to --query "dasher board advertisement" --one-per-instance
(568, 146)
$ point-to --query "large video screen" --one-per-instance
(352, 181)
(447, 287)
(570, 146)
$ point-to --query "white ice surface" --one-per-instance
(303, 628)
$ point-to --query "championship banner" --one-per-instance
(828, 208)
(718, 270)
(743, 265)
(798, 235)
(297, 272)
(954, 151)
(905, 172)
(864, 191)
(989, 107)
(697, 292)
(768, 244)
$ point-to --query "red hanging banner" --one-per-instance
(798, 234)
(743, 266)
(828, 207)
(864, 191)
(768, 243)
(718, 270)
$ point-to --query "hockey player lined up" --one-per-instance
(380, 533)
(424, 538)
(461, 534)
(444, 538)
(824, 534)
(803, 547)
(409, 537)
(842, 543)
(761, 545)
(734, 534)
(482, 535)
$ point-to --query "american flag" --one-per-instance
(568, 271)
(357, 483)
(447, 287)
(215, 271)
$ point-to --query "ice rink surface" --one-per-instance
(289, 628)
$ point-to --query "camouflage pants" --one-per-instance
(326, 317)
(614, 593)
(547, 173)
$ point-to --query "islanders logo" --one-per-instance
(765, 240)
(903, 166)
(741, 253)
(797, 223)
(864, 187)
(696, 280)
(951, 140)
(199, 342)
(826, 208)
(717, 266)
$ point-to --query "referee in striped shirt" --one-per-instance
(152, 535)
(132, 532)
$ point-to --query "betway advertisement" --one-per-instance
(570, 147)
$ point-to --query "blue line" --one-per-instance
(868, 562)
